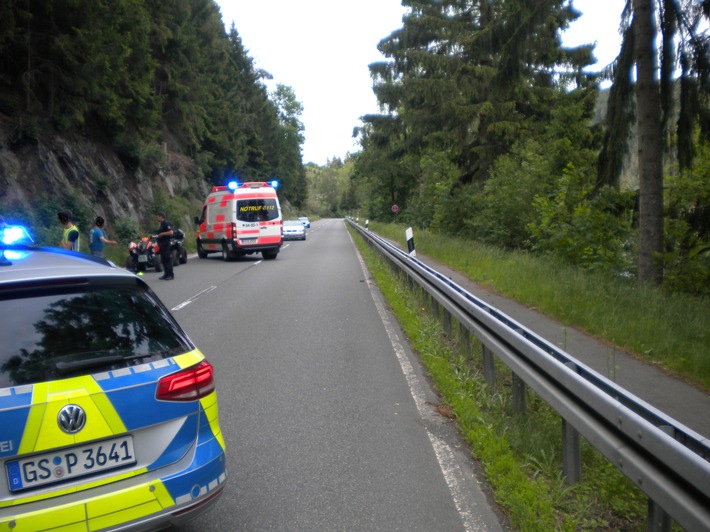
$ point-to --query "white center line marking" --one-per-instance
(188, 301)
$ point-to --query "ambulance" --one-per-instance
(240, 219)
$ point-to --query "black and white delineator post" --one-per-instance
(409, 234)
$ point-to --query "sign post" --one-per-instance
(409, 234)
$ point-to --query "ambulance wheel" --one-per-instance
(269, 255)
(200, 252)
(226, 256)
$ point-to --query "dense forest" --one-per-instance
(145, 79)
(488, 131)
(489, 128)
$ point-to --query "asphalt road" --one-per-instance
(329, 421)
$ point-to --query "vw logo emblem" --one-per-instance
(71, 419)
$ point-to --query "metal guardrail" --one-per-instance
(669, 462)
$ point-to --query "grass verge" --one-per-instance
(520, 454)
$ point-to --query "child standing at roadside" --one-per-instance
(97, 240)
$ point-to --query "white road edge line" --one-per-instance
(444, 454)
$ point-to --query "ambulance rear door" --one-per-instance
(258, 219)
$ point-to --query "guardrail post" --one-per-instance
(447, 321)
(519, 406)
(421, 295)
(571, 454)
(434, 307)
(411, 285)
(464, 341)
(489, 368)
(658, 519)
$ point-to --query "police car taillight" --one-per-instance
(190, 384)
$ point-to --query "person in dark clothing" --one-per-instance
(164, 232)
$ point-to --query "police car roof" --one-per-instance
(26, 264)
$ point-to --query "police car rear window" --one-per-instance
(257, 210)
(68, 333)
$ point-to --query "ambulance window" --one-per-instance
(257, 210)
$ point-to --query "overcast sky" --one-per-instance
(322, 49)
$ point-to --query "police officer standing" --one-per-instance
(164, 232)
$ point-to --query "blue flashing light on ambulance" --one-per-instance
(241, 219)
(233, 185)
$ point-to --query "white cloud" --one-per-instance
(599, 24)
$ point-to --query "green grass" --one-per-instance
(670, 330)
(521, 455)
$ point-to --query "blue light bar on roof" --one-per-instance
(275, 184)
(14, 234)
(233, 185)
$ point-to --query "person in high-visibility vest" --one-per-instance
(70, 238)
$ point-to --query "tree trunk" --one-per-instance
(650, 151)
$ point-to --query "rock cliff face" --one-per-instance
(72, 172)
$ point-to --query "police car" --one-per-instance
(108, 411)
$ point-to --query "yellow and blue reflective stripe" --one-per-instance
(42, 431)
(108, 398)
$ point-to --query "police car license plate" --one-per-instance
(74, 462)
(142, 258)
